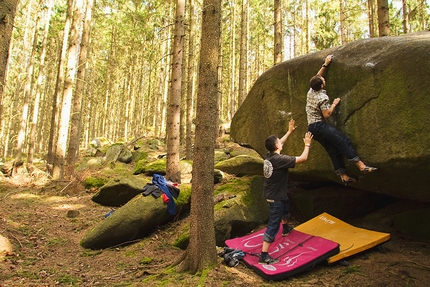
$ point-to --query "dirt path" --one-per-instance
(45, 225)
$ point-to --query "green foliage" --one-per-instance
(325, 34)
(203, 277)
(29, 275)
(90, 253)
(64, 278)
(56, 241)
(145, 261)
(352, 269)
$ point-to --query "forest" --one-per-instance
(78, 70)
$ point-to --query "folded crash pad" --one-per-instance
(297, 252)
(352, 239)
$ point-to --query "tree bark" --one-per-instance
(173, 171)
(243, 61)
(32, 137)
(342, 22)
(75, 129)
(383, 18)
(233, 97)
(7, 14)
(405, 16)
(57, 96)
(26, 100)
(371, 16)
(190, 83)
(279, 40)
(66, 106)
(201, 251)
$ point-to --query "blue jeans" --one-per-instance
(279, 209)
(335, 143)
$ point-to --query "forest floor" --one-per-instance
(36, 216)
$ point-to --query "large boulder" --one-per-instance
(243, 209)
(384, 87)
(118, 192)
(239, 208)
(242, 165)
(134, 220)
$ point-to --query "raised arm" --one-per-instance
(291, 127)
(304, 156)
(327, 62)
(327, 113)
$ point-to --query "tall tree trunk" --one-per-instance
(243, 61)
(405, 16)
(383, 18)
(342, 22)
(371, 16)
(110, 84)
(173, 171)
(75, 129)
(57, 96)
(294, 40)
(201, 251)
(307, 28)
(278, 35)
(190, 83)
(423, 14)
(26, 101)
(66, 105)
(7, 14)
(184, 86)
(32, 137)
(232, 93)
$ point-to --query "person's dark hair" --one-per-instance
(270, 143)
(316, 83)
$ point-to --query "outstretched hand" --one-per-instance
(328, 59)
(292, 125)
(308, 138)
(336, 101)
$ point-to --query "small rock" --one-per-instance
(72, 213)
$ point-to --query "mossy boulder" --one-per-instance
(383, 86)
(94, 182)
(137, 218)
(119, 152)
(159, 167)
(242, 165)
(242, 209)
(118, 192)
(239, 208)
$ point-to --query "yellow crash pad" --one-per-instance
(351, 239)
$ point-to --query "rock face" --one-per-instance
(242, 165)
(117, 193)
(384, 87)
(135, 219)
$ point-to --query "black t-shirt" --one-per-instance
(275, 171)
